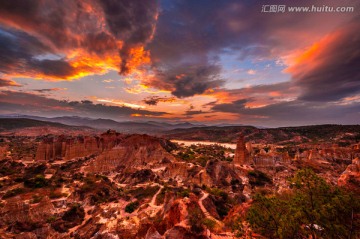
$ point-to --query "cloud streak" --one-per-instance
(154, 100)
(329, 70)
(29, 103)
(6, 82)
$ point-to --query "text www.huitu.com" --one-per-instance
(309, 9)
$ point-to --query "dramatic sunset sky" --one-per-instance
(187, 60)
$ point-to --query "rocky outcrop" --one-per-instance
(22, 216)
(62, 147)
(133, 153)
(221, 173)
(88, 230)
(210, 207)
(180, 171)
(351, 176)
(175, 214)
(152, 233)
(139, 176)
(241, 153)
(15, 210)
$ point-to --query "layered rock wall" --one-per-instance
(68, 148)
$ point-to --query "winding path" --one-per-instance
(155, 208)
(225, 235)
(205, 211)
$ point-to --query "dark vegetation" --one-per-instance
(8, 167)
(71, 218)
(143, 192)
(13, 192)
(258, 178)
(99, 189)
(131, 207)
(223, 203)
(201, 154)
(312, 209)
(196, 218)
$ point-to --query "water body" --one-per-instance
(189, 143)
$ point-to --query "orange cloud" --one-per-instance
(328, 70)
(67, 41)
(137, 57)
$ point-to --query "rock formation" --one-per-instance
(67, 148)
(132, 153)
(241, 153)
(351, 176)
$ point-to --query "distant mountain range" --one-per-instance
(184, 130)
(32, 127)
(149, 127)
(18, 123)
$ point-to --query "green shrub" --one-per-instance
(76, 213)
(210, 224)
(39, 181)
(36, 198)
(184, 193)
(196, 218)
(51, 219)
(141, 193)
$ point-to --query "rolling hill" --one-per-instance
(284, 135)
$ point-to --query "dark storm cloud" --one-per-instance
(47, 18)
(38, 33)
(154, 100)
(99, 43)
(23, 102)
(130, 21)
(18, 51)
(187, 80)
(55, 68)
(331, 72)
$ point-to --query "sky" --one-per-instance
(202, 61)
